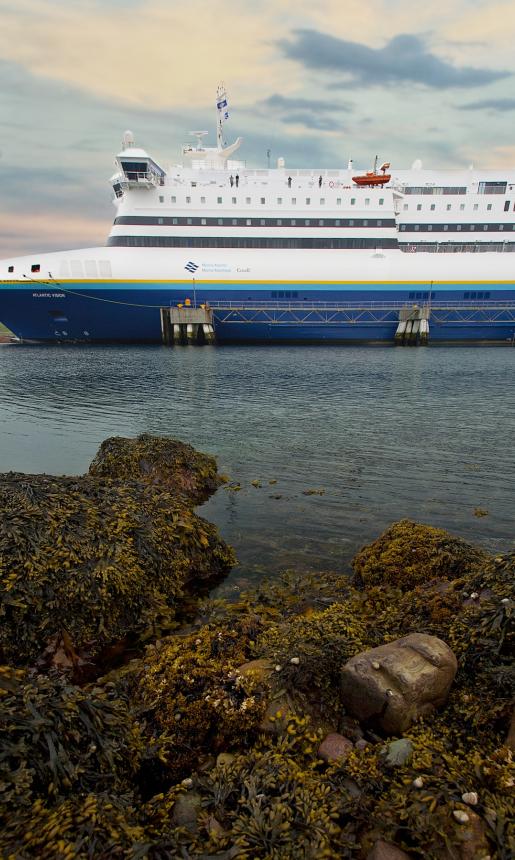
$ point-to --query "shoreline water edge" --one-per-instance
(313, 716)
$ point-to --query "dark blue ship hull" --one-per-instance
(131, 312)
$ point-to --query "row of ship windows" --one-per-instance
(483, 188)
(475, 207)
(256, 222)
(279, 200)
(238, 242)
(455, 228)
(456, 247)
(468, 295)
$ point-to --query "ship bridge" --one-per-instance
(136, 168)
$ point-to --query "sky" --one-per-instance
(315, 83)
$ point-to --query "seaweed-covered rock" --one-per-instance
(191, 695)
(159, 461)
(391, 686)
(97, 558)
(57, 739)
(409, 554)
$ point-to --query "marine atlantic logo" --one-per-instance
(191, 267)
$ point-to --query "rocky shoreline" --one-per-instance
(315, 717)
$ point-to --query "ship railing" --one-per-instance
(147, 177)
(284, 304)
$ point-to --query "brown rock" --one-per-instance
(258, 669)
(391, 686)
(186, 810)
(386, 851)
(335, 747)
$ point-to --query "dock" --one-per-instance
(185, 324)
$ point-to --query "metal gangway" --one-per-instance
(410, 321)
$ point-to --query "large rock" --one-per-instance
(94, 559)
(391, 686)
(386, 851)
(409, 554)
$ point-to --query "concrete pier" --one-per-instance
(187, 325)
(413, 328)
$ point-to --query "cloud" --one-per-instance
(501, 105)
(313, 113)
(403, 59)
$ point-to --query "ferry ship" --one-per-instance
(279, 254)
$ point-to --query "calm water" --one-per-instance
(385, 433)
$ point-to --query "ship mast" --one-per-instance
(222, 115)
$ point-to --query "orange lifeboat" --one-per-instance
(372, 177)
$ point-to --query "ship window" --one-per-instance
(429, 227)
(202, 220)
(432, 207)
(274, 294)
(449, 207)
(161, 199)
(174, 220)
(367, 201)
(320, 223)
(445, 226)
(293, 222)
(506, 205)
(486, 295)
(403, 226)
(307, 222)
(218, 199)
(405, 207)
(466, 295)
(417, 226)
(220, 221)
(159, 220)
(279, 200)
(381, 201)
(174, 199)
(188, 199)
(234, 222)
(188, 220)
(489, 207)
(365, 223)
(458, 227)
(338, 201)
(35, 267)
(293, 200)
(262, 222)
(485, 226)
(419, 207)
(472, 226)
(308, 201)
(473, 296)
(322, 201)
(337, 223)
(10, 269)
(476, 207)
(247, 199)
(411, 296)
(279, 222)
(234, 199)
(379, 224)
(249, 222)
(462, 207)
(262, 200)
(352, 201)
(501, 226)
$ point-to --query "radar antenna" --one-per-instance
(199, 135)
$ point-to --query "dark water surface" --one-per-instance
(385, 433)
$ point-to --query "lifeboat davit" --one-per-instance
(372, 177)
